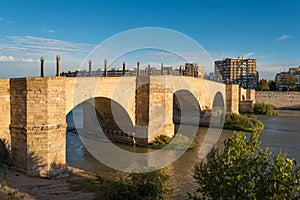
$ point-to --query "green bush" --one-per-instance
(264, 109)
(243, 170)
(179, 142)
(160, 141)
(246, 123)
(140, 186)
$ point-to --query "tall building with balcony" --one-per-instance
(283, 79)
(237, 71)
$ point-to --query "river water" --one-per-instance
(281, 132)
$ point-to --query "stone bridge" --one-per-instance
(33, 111)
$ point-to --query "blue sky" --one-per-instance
(266, 30)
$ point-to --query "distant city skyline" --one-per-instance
(265, 30)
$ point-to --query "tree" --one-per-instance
(140, 186)
(263, 85)
(291, 82)
(242, 170)
(272, 85)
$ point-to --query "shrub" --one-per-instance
(242, 170)
(178, 143)
(160, 141)
(238, 122)
(264, 109)
(139, 186)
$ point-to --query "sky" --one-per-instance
(268, 31)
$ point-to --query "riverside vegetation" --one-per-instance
(139, 186)
(239, 170)
(243, 170)
(179, 142)
(265, 109)
(248, 123)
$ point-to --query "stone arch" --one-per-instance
(102, 115)
(186, 108)
(218, 102)
(121, 91)
(218, 111)
(111, 115)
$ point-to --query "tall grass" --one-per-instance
(246, 123)
(179, 142)
(264, 109)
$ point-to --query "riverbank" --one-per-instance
(80, 185)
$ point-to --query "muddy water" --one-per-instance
(281, 132)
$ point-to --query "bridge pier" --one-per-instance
(154, 111)
(5, 139)
(232, 98)
(38, 128)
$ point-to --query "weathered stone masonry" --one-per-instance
(37, 125)
(33, 110)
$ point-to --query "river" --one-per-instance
(281, 132)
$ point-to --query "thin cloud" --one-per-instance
(51, 31)
(29, 49)
(6, 58)
(270, 69)
(6, 21)
(30, 44)
(283, 37)
(248, 55)
(28, 60)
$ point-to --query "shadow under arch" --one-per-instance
(218, 111)
(103, 118)
(186, 108)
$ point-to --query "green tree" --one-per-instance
(140, 186)
(243, 170)
(291, 82)
(272, 85)
(263, 85)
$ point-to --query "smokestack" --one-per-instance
(57, 65)
(180, 71)
(90, 68)
(162, 69)
(138, 69)
(42, 66)
(105, 67)
(149, 70)
(123, 69)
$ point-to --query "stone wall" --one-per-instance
(38, 128)
(232, 98)
(5, 139)
(160, 111)
(4, 110)
(246, 106)
(281, 100)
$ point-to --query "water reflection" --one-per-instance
(281, 131)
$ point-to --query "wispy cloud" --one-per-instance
(270, 69)
(6, 58)
(283, 37)
(29, 48)
(51, 31)
(249, 54)
(6, 21)
(20, 55)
